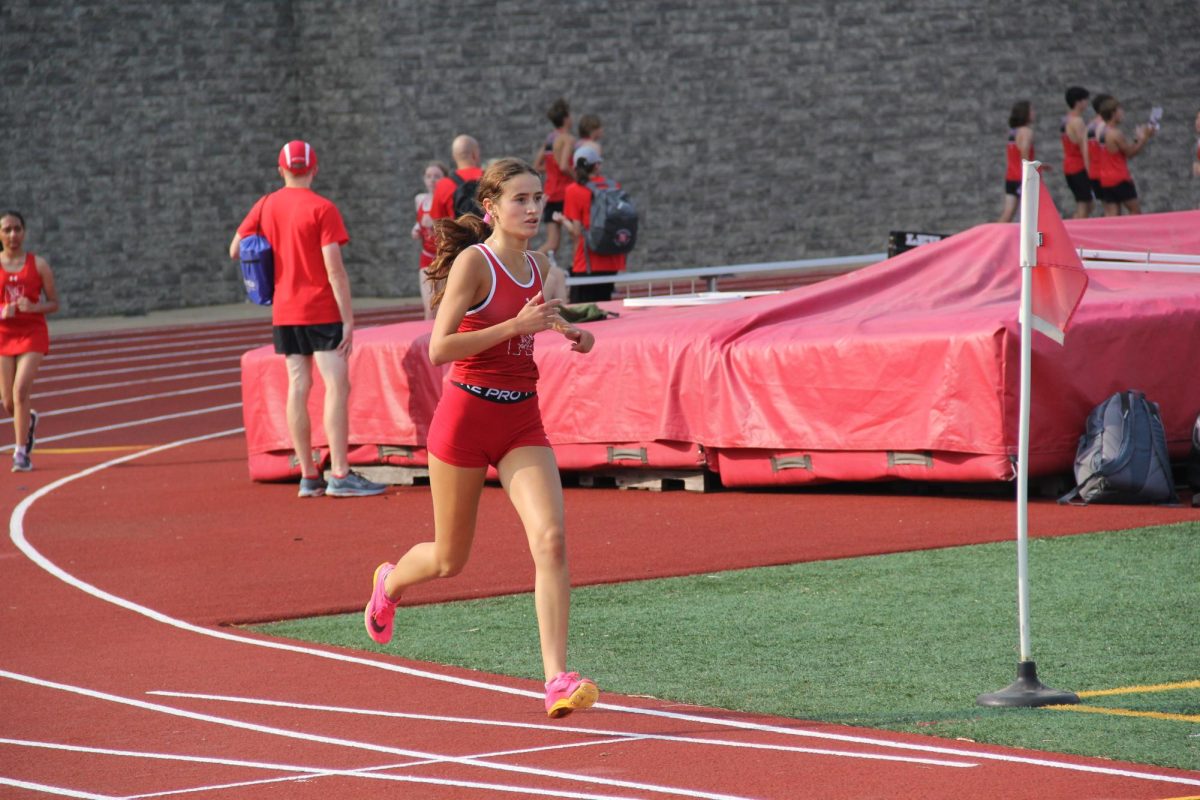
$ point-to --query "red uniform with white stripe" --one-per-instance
(1012, 171)
(557, 181)
(24, 333)
(1072, 155)
(509, 364)
(1114, 170)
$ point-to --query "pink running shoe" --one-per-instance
(568, 692)
(379, 612)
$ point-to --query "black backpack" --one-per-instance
(1122, 454)
(464, 196)
(613, 226)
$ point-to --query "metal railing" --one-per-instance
(710, 275)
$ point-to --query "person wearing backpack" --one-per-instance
(312, 316)
(576, 218)
(454, 195)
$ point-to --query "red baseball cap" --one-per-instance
(298, 157)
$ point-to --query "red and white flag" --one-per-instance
(1058, 280)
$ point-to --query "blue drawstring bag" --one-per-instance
(258, 263)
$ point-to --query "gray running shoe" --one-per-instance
(30, 440)
(353, 485)
(21, 462)
(312, 487)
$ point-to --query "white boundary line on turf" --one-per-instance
(434, 758)
(124, 401)
(17, 534)
(55, 366)
(628, 735)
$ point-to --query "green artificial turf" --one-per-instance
(902, 642)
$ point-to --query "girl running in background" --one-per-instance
(24, 337)
(1020, 147)
(422, 230)
(487, 316)
(1115, 180)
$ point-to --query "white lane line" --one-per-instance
(334, 741)
(96, 387)
(130, 424)
(302, 773)
(55, 366)
(558, 729)
(17, 534)
(58, 791)
(135, 399)
(141, 369)
(263, 337)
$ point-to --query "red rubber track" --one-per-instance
(119, 676)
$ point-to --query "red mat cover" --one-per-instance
(917, 354)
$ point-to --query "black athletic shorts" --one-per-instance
(1013, 188)
(1081, 186)
(550, 209)
(304, 340)
(1096, 188)
(1121, 193)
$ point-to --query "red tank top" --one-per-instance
(1096, 152)
(1013, 153)
(24, 332)
(428, 243)
(556, 179)
(509, 364)
(1114, 169)
(1072, 155)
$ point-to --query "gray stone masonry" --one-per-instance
(140, 132)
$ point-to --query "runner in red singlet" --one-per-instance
(1073, 132)
(1115, 179)
(1020, 147)
(24, 337)
(555, 161)
(1096, 154)
(487, 318)
(422, 230)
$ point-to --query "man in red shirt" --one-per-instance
(311, 313)
(465, 152)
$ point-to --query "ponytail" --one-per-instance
(452, 236)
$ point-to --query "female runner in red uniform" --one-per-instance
(24, 337)
(1020, 147)
(1115, 179)
(487, 316)
(422, 229)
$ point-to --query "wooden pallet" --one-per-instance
(646, 479)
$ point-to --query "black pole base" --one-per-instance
(1027, 692)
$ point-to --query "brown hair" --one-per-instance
(455, 235)
(1108, 107)
(588, 124)
(1019, 116)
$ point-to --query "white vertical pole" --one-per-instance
(1030, 184)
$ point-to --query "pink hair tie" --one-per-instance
(487, 218)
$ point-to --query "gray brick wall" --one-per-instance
(139, 132)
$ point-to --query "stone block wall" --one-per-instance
(139, 132)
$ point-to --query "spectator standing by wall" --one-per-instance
(554, 161)
(24, 336)
(423, 231)
(1095, 151)
(1019, 148)
(312, 315)
(1073, 131)
(452, 193)
(577, 209)
(1115, 179)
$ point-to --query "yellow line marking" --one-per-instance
(1159, 687)
(1125, 712)
(59, 451)
(1190, 797)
